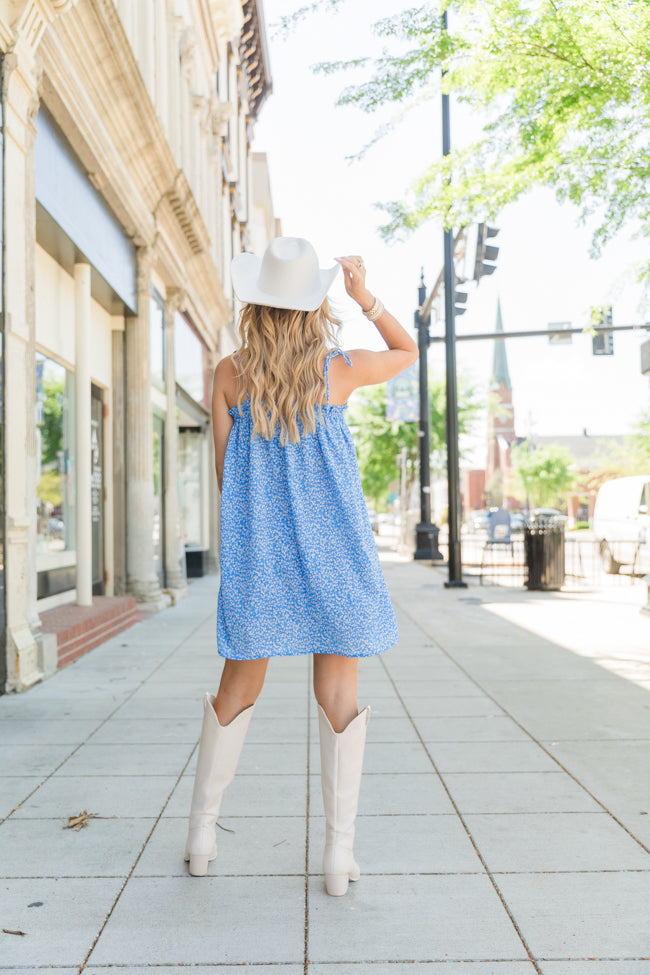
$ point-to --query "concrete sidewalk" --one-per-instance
(504, 820)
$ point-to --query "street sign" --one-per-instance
(645, 357)
(556, 337)
(403, 396)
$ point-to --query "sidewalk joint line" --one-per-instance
(463, 823)
(525, 731)
(149, 835)
(99, 726)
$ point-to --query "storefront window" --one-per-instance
(157, 341)
(191, 362)
(55, 511)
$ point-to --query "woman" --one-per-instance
(299, 566)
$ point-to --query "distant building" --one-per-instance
(587, 452)
(501, 424)
(128, 184)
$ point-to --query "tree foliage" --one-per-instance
(379, 441)
(545, 474)
(52, 426)
(639, 443)
(631, 457)
(561, 89)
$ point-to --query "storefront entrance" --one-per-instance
(158, 497)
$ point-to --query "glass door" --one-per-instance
(158, 497)
(97, 487)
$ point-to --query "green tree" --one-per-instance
(378, 440)
(561, 89)
(545, 474)
(52, 426)
(639, 443)
(50, 488)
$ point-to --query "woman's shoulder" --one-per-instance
(226, 379)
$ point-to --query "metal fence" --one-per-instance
(504, 564)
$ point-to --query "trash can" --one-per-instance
(544, 552)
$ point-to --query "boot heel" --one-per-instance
(336, 884)
(198, 865)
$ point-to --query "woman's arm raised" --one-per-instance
(369, 367)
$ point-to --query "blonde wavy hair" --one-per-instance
(279, 365)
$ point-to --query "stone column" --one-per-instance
(144, 44)
(84, 543)
(22, 23)
(142, 580)
(174, 568)
(161, 63)
(174, 80)
(119, 455)
(20, 107)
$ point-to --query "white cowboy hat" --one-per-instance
(288, 276)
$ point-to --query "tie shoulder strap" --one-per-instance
(326, 369)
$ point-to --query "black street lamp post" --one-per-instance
(455, 564)
(426, 533)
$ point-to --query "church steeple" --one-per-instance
(501, 424)
(500, 372)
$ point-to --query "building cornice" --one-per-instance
(93, 88)
(25, 20)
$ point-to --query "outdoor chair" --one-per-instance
(499, 534)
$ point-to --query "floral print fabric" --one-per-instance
(299, 566)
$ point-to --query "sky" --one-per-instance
(544, 271)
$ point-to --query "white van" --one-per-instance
(622, 523)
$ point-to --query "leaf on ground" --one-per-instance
(9, 931)
(77, 822)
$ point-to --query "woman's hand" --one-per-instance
(354, 276)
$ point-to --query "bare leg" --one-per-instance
(335, 687)
(241, 683)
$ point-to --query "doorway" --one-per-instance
(97, 486)
(158, 497)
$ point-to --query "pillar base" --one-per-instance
(150, 598)
(22, 646)
(426, 541)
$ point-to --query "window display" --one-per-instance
(55, 490)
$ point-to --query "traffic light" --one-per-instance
(602, 343)
(486, 254)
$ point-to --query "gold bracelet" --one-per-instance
(373, 313)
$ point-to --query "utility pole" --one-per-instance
(426, 533)
(455, 564)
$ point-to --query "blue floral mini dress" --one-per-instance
(299, 566)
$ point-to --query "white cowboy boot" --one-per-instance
(341, 759)
(219, 750)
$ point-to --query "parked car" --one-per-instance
(477, 520)
(622, 523)
(517, 522)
